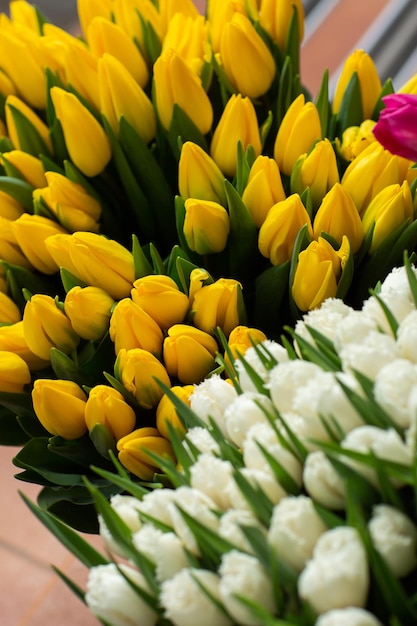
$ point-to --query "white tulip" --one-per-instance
(286, 378)
(201, 439)
(326, 319)
(146, 539)
(393, 385)
(265, 481)
(395, 537)
(334, 405)
(337, 576)
(111, 598)
(230, 527)
(368, 357)
(354, 328)
(308, 430)
(170, 556)
(211, 398)
(243, 574)
(185, 602)
(251, 357)
(155, 505)
(294, 530)
(322, 482)
(351, 616)
(196, 504)
(127, 508)
(212, 476)
(407, 337)
(245, 411)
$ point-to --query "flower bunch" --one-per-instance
(294, 497)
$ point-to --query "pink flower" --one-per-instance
(396, 128)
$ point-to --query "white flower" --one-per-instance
(127, 508)
(286, 378)
(243, 574)
(146, 539)
(294, 530)
(251, 357)
(393, 385)
(407, 337)
(307, 396)
(200, 438)
(265, 436)
(265, 481)
(170, 556)
(110, 597)
(185, 602)
(334, 405)
(155, 504)
(212, 476)
(196, 504)
(395, 537)
(306, 429)
(337, 575)
(354, 328)
(211, 398)
(326, 319)
(351, 616)
(322, 482)
(230, 527)
(245, 411)
(369, 356)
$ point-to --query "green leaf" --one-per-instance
(255, 497)
(29, 138)
(141, 263)
(18, 189)
(351, 111)
(123, 482)
(271, 287)
(242, 244)
(12, 432)
(182, 129)
(323, 105)
(76, 590)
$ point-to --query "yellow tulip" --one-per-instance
(199, 176)
(338, 216)
(15, 136)
(107, 406)
(89, 311)
(161, 298)
(24, 14)
(241, 339)
(219, 304)
(355, 139)
(7, 88)
(31, 168)
(188, 36)
(59, 406)
(131, 327)
(10, 209)
(220, 12)
(133, 452)
(199, 277)
(263, 188)
(189, 353)
(31, 233)
(10, 251)
(14, 373)
(139, 371)
(275, 17)
(87, 10)
(361, 64)
(80, 70)
(206, 226)
(12, 339)
(166, 413)
(169, 8)
(137, 17)
(317, 170)
(9, 311)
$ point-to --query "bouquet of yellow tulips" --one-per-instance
(170, 196)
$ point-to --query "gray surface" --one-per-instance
(60, 12)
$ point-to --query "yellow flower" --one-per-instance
(238, 122)
(10, 209)
(139, 371)
(107, 406)
(131, 327)
(355, 139)
(10, 251)
(133, 452)
(188, 36)
(246, 59)
(316, 170)
(279, 231)
(169, 8)
(338, 216)
(59, 406)
(219, 304)
(14, 373)
(199, 277)
(29, 166)
(275, 17)
(24, 14)
(220, 12)
(189, 353)
(199, 176)
(45, 326)
(89, 310)
(263, 188)
(16, 133)
(80, 71)
(90, 149)
(206, 226)
(31, 233)
(166, 413)
(12, 339)
(241, 339)
(89, 9)
(298, 131)
(137, 18)
(317, 274)
(161, 298)
(361, 64)
(9, 311)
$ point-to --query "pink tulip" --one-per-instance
(396, 128)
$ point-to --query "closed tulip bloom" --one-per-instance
(89, 310)
(220, 12)
(238, 122)
(12, 339)
(105, 405)
(46, 326)
(395, 129)
(361, 64)
(139, 371)
(7, 87)
(219, 304)
(199, 176)
(338, 216)
(59, 406)
(14, 373)
(166, 413)
(199, 277)
(90, 150)
(31, 232)
(206, 226)
(390, 208)
(80, 71)
(169, 8)
(9, 311)
(13, 102)
(10, 209)
(275, 17)
(72, 205)
(176, 83)
(10, 251)
(30, 167)
(121, 95)
(279, 231)
(317, 170)
(133, 452)
(58, 247)
(355, 139)
(161, 298)
(87, 10)
(298, 131)
(188, 36)
(131, 327)
(263, 189)
(241, 339)
(137, 17)
(318, 271)
(189, 353)
(24, 14)
(245, 57)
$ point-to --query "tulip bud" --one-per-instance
(12, 339)
(279, 231)
(72, 205)
(188, 36)
(219, 304)
(59, 406)
(318, 271)
(10, 251)
(107, 406)
(206, 226)
(317, 170)
(133, 452)
(355, 139)
(80, 71)
(89, 9)
(220, 12)
(263, 189)
(245, 57)
(9, 311)
(275, 17)
(176, 83)
(199, 176)
(361, 64)
(17, 133)
(169, 8)
(31, 232)
(140, 19)
(96, 260)
(160, 297)
(139, 371)
(338, 216)
(45, 326)
(131, 327)
(10, 209)
(14, 373)
(189, 353)
(299, 129)
(240, 339)
(166, 413)
(238, 123)
(30, 168)
(198, 279)
(89, 311)
(7, 87)
(90, 150)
